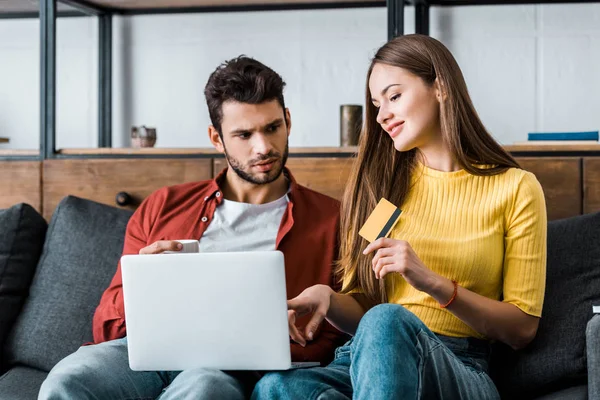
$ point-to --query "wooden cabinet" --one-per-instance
(20, 182)
(560, 178)
(101, 180)
(571, 184)
(591, 185)
(327, 175)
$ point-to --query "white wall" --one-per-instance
(529, 68)
(19, 83)
(77, 88)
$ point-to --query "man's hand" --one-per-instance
(161, 246)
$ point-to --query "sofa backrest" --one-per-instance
(557, 356)
(83, 245)
(22, 233)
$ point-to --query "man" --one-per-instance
(254, 204)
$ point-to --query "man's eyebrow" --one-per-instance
(246, 130)
(274, 122)
(241, 130)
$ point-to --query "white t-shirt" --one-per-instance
(244, 227)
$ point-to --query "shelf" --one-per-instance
(31, 9)
(515, 148)
(191, 151)
(4, 140)
(18, 152)
(501, 2)
(304, 151)
(170, 6)
(166, 6)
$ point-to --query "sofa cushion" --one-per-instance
(22, 383)
(573, 393)
(83, 245)
(22, 233)
(557, 357)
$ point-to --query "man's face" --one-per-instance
(255, 139)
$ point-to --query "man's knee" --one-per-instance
(67, 380)
(207, 379)
(205, 384)
(80, 374)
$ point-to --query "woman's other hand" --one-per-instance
(314, 300)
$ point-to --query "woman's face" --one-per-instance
(408, 109)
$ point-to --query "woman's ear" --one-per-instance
(440, 91)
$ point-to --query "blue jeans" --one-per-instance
(392, 356)
(102, 372)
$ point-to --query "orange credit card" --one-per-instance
(381, 221)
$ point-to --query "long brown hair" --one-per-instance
(382, 171)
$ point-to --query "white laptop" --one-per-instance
(225, 311)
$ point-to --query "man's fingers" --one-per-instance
(162, 246)
(174, 245)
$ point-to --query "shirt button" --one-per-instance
(218, 194)
(204, 219)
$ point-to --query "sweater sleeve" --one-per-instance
(525, 248)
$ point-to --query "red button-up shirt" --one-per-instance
(308, 238)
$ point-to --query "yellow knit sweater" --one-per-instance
(486, 232)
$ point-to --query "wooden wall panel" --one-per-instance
(561, 179)
(327, 175)
(101, 180)
(20, 182)
(591, 184)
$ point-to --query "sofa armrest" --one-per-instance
(592, 338)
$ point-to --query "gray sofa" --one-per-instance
(52, 277)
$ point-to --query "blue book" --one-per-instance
(591, 135)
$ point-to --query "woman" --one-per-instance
(464, 265)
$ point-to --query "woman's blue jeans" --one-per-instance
(392, 356)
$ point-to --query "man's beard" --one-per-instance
(261, 178)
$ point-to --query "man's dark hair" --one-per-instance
(242, 79)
